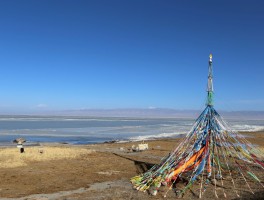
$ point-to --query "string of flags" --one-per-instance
(210, 153)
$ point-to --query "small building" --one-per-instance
(140, 147)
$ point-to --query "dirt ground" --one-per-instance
(104, 174)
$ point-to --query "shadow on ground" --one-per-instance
(142, 167)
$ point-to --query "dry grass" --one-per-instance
(11, 157)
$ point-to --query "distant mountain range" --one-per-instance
(144, 113)
(157, 113)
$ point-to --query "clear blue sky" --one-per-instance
(130, 54)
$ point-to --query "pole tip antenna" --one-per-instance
(211, 57)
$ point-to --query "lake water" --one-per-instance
(86, 130)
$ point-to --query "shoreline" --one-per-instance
(247, 134)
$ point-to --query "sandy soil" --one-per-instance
(100, 171)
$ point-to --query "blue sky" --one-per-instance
(57, 55)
